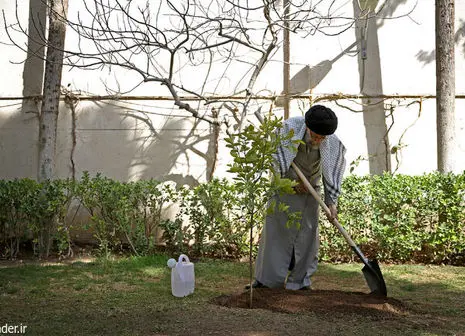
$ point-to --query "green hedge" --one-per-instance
(33, 211)
(401, 218)
(215, 226)
(123, 216)
(396, 218)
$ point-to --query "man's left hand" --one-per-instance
(333, 211)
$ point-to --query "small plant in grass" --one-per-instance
(252, 151)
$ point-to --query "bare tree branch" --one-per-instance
(159, 40)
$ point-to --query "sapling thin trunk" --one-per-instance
(133, 248)
(251, 257)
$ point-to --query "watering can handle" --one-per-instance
(179, 266)
(183, 256)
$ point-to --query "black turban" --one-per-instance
(321, 120)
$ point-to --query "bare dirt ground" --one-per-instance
(315, 312)
(321, 302)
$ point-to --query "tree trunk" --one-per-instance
(33, 72)
(58, 10)
(212, 151)
(286, 59)
(371, 84)
(445, 84)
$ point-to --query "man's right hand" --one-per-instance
(301, 188)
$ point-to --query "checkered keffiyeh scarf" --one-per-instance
(332, 153)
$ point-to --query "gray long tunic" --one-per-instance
(277, 241)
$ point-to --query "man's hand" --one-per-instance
(300, 188)
(333, 211)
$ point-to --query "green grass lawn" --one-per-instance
(132, 296)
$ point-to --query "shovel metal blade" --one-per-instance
(374, 278)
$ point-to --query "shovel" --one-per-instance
(371, 270)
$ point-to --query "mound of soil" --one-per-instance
(327, 302)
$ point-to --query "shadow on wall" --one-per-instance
(309, 77)
(460, 36)
(388, 10)
(427, 57)
(162, 149)
(19, 134)
(122, 144)
(108, 140)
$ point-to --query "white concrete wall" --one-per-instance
(114, 139)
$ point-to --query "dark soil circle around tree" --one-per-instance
(326, 302)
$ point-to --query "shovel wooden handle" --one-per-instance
(333, 220)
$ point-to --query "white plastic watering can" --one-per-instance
(182, 276)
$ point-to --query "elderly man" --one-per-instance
(289, 256)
